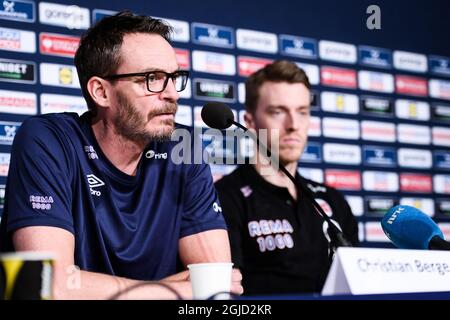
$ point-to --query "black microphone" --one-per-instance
(218, 115)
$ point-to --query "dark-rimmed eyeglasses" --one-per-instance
(157, 80)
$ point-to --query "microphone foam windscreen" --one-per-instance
(217, 115)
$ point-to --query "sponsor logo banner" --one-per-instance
(337, 51)
(312, 174)
(415, 182)
(375, 57)
(17, 40)
(5, 159)
(439, 89)
(343, 179)
(215, 90)
(187, 92)
(8, 131)
(58, 44)
(338, 77)
(315, 129)
(183, 58)
(256, 41)
(212, 35)
(414, 134)
(18, 10)
(18, 102)
(72, 17)
(180, 29)
(411, 85)
(312, 71)
(441, 136)
(216, 63)
(241, 93)
(377, 131)
(415, 158)
(439, 65)
(442, 159)
(374, 232)
(98, 14)
(380, 181)
(443, 207)
(2, 197)
(379, 156)
(298, 47)
(342, 154)
(377, 106)
(376, 81)
(315, 100)
(339, 102)
(184, 115)
(412, 110)
(356, 204)
(59, 75)
(54, 103)
(410, 61)
(17, 71)
(312, 153)
(442, 183)
(424, 204)
(249, 65)
(340, 128)
(441, 112)
(378, 206)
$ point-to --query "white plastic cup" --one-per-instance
(210, 280)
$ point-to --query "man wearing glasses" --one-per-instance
(97, 191)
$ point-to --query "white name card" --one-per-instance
(378, 271)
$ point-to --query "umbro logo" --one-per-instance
(94, 182)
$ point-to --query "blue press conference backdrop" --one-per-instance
(381, 113)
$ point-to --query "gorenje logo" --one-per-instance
(18, 10)
(72, 17)
(410, 61)
(94, 182)
(256, 41)
(337, 51)
(17, 71)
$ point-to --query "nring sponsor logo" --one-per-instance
(410, 61)
(256, 41)
(376, 81)
(441, 112)
(374, 232)
(18, 10)
(378, 206)
(184, 115)
(439, 65)
(215, 90)
(339, 102)
(338, 77)
(411, 85)
(413, 134)
(342, 154)
(72, 17)
(249, 65)
(312, 71)
(54, 103)
(8, 131)
(298, 46)
(59, 75)
(183, 58)
(211, 62)
(441, 183)
(441, 136)
(5, 159)
(337, 51)
(377, 106)
(312, 174)
(58, 44)
(415, 158)
(340, 128)
(343, 179)
(424, 204)
(356, 204)
(416, 182)
(379, 156)
(442, 159)
(312, 153)
(380, 181)
(412, 110)
(377, 131)
(375, 57)
(18, 102)
(17, 71)
(17, 40)
(212, 35)
(439, 89)
(315, 128)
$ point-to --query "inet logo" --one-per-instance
(94, 182)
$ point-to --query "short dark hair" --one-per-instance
(99, 51)
(277, 71)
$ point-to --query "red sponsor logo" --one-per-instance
(183, 59)
(343, 179)
(248, 65)
(58, 44)
(410, 182)
(411, 85)
(338, 77)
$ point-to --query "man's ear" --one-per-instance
(99, 90)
